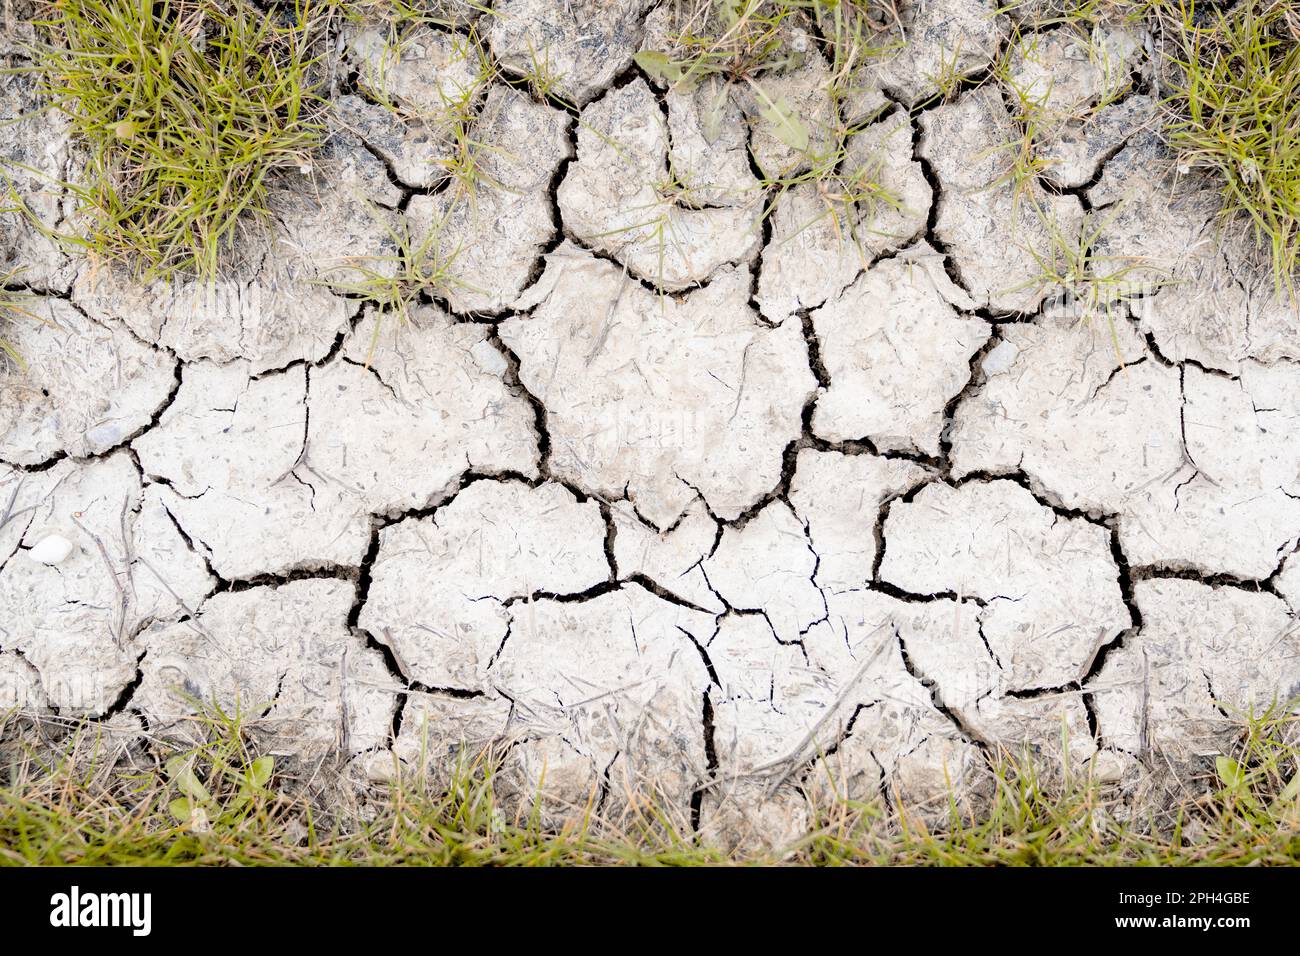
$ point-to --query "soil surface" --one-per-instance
(665, 490)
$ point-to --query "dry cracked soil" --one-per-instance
(661, 490)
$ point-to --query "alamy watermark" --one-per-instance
(75, 908)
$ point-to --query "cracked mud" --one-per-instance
(681, 485)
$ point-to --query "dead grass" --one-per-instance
(223, 803)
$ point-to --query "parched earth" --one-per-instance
(662, 491)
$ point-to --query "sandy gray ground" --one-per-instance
(661, 491)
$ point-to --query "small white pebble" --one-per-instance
(488, 358)
(52, 549)
(104, 436)
(1000, 358)
(305, 170)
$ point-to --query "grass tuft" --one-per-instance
(188, 109)
(1231, 98)
(741, 43)
(418, 271)
(1237, 113)
(11, 309)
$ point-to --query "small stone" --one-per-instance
(52, 549)
(487, 358)
(999, 358)
(104, 436)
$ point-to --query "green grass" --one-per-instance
(223, 803)
(188, 110)
(739, 46)
(11, 310)
(399, 16)
(1237, 113)
(742, 43)
(850, 193)
(453, 119)
(395, 284)
(1231, 106)
(457, 119)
